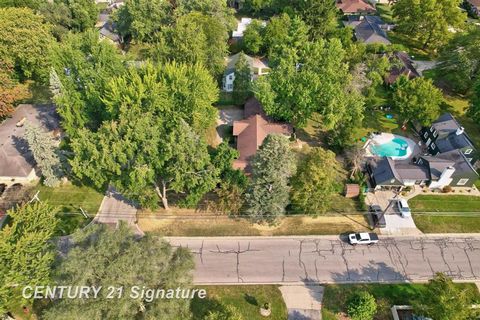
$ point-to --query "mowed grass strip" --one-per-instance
(336, 296)
(246, 299)
(445, 203)
(447, 224)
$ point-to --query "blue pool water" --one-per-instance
(397, 147)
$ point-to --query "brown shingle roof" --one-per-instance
(250, 134)
(354, 6)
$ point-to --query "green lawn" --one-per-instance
(335, 297)
(69, 199)
(446, 223)
(413, 47)
(445, 203)
(458, 106)
(246, 299)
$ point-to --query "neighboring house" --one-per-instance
(250, 132)
(258, 68)
(107, 31)
(446, 134)
(242, 25)
(355, 6)
(405, 67)
(368, 29)
(16, 161)
(447, 169)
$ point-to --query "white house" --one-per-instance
(258, 67)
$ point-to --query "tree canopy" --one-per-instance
(474, 109)
(315, 182)
(417, 100)
(444, 300)
(268, 192)
(101, 256)
(26, 251)
(11, 91)
(429, 21)
(25, 39)
(242, 84)
(362, 306)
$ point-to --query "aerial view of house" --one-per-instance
(240, 160)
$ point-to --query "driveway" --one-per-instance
(115, 208)
(327, 259)
(225, 120)
(422, 65)
(304, 302)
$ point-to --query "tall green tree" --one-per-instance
(11, 91)
(140, 20)
(84, 65)
(217, 9)
(320, 15)
(103, 257)
(272, 166)
(428, 21)
(195, 38)
(417, 100)
(152, 145)
(45, 152)
(26, 252)
(474, 109)
(84, 14)
(459, 61)
(253, 38)
(316, 182)
(25, 40)
(443, 300)
(243, 80)
(315, 81)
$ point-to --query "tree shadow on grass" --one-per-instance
(200, 308)
(251, 299)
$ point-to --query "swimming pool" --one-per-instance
(389, 145)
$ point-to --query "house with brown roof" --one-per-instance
(474, 6)
(250, 132)
(355, 6)
(402, 66)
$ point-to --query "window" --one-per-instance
(469, 159)
(435, 134)
(425, 135)
(230, 86)
(431, 129)
(230, 77)
(433, 146)
(468, 151)
(462, 182)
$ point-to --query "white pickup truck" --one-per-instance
(362, 238)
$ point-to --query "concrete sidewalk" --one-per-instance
(304, 302)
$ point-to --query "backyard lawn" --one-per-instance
(69, 199)
(335, 297)
(246, 299)
(448, 222)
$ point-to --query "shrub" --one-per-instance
(447, 189)
(361, 306)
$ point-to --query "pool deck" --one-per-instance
(413, 148)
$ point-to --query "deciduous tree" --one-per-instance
(104, 257)
(243, 80)
(272, 166)
(444, 300)
(361, 306)
(253, 38)
(474, 109)
(10, 91)
(417, 100)
(315, 182)
(217, 9)
(320, 15)
(428, 20)
(24, 42)
(26, 251)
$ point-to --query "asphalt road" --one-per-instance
(329, 259)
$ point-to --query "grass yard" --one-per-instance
(335, 297)
(458, 106)
(69, 199)
(413, 47)
(431, 223)
(225, 226)
(246, 299)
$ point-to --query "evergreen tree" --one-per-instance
(272, 166)
(45, 152)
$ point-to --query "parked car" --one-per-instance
(378, 217)
(362, 238)
(404, 208)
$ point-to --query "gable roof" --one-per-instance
(448, 139)
(251, 132)
(254, 62)
(242, 25)
(406, 69)
(354, 6)
(368, 29)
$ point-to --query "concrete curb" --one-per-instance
(315, 283)
(330, 237)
